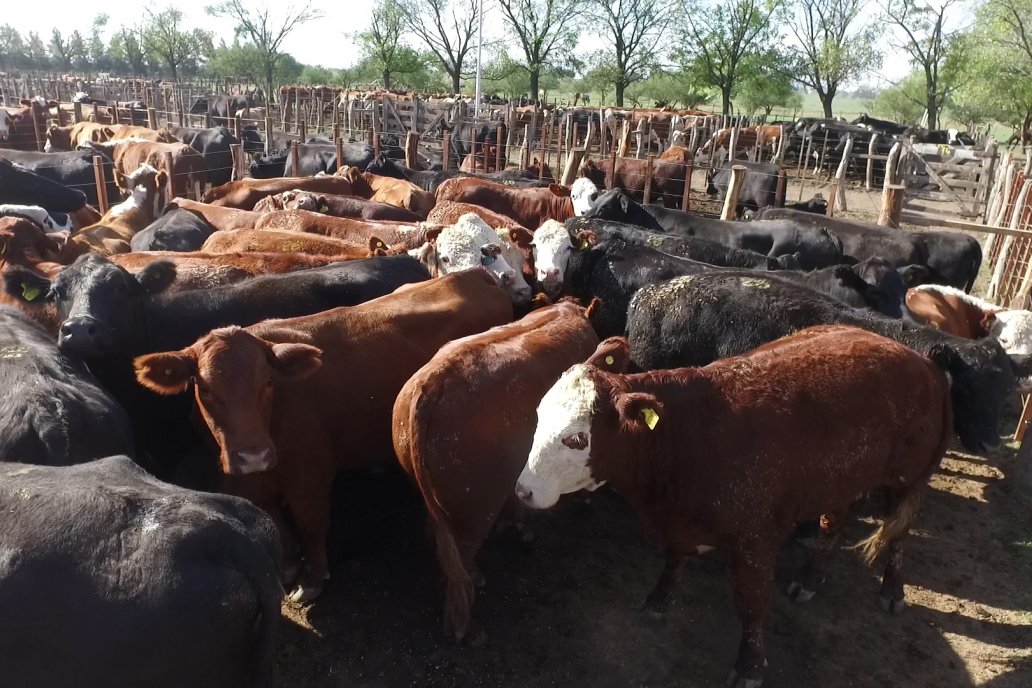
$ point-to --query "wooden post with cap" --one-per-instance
(738, 173)
(98, 179)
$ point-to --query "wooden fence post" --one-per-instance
(295, 159)
(871, 148)
(649, 164)
(236, 150)
(891, 164)
(779, 190)
(98, 179)
(171, 180)
(892, 206)
(237, 125)
(733, 144)
(35, 127)
(77, 109)
(525, 153)
(840, 174)
(338, 143)
(152, 118)
(411, 147)
(446, 149)
(373, 140)
(268, 134)
(688, 169)
(573, 161)
(472, 151)
(499, 135)
(738, 173)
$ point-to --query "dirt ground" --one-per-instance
(564, 611)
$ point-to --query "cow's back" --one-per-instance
(947, 312)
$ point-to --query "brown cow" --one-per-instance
(958, 313)
(283, 432)
(467, 419)
(21, 134)
(667, 178)
(270, 241)
(70, 138)
(337, 206)
(244, 193)
(449, 212)
(529, 207)
(397, 234)
(189, 172)
(399, 192)
(711, 457)
(722, 139)
(23, 243)
(113, 232)
(219, 217)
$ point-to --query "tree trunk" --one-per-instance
(826, 101)
(535, 76)
(933, 111)
(456, 80)
(386, 78)
(620, 86)
(725, 101)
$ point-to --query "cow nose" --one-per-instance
(523, 493)
(77, 332)
(252, 461)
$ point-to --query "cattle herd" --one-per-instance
(184, 379)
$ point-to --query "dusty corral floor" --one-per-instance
(564, 610)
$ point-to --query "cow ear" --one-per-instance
(160, 179)
(166, 373)
(559, 190)
(639, 410)
(586, 239)
(157, 277)
(914, 275)
(25, 285)
(521, 237)
(612, 355)
(625, 202)
(432, 233)
(989, 319)
(295, 361)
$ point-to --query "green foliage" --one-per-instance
(546, 32)
(633, 30)
(12, 48)
(59, 54)
(905, 102)
(382, 49)
(764, 90)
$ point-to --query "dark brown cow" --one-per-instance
(337, 206)
(21, 135)
(283, 432)
(23, 243)
(272, 241)
(345, 228)
(667, 178)
(467, 419)
(735, 454)
(529, 207)
(244, 193)
(220, 218)
(449, 212)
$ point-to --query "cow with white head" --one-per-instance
(470, 243)
(552, 249)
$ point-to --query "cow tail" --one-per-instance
(459, 592)
(906, 501)
(976, 265)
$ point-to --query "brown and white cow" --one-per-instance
(113, 232)
(529, 207)
(735, 454)
(219, 217)
(336, 206)
(449, 212)
(284, 432)
(463, 427)
(244, 193)
(189, 171)
(958, 313)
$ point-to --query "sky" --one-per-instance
(327, 41)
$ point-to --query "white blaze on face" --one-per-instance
(583, 193)
(1013, 329)
(552, 248)
(471, 243)
(558, 462)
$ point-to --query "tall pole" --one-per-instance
(480, 54)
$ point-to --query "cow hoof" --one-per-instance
(305, 593)
(798, 593)
(890, 605)
(736, 681)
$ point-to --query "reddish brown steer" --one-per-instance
(244, 193)
(283, 432)
(529, 207)
(462, 430)
(735, 454)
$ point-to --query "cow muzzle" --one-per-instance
(551, 281)
(246, 461)
(78, 334)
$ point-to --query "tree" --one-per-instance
(77, 52)
(265, 32)
(59, 51)
(12, 48)
(766, 89)
(381, 42)
(97, 50)
(721, 38)
(167, 42)
(903, 102)
(546, 30)
(447, 28)
(635, 28)
(932, 49)
(833, 45)
(37, 52)
(126, 51)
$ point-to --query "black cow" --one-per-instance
(268, 166)
(687, 323)
(22, 186)
(462, 134)
(952, 258)
(817, 248)
(941, 136)
(883, 126)
(213, 144)
(52, 411)
(584, 228)
(815, 204)
(222, 109)
(108, 316)
(176, 230)
(141, 581)
(313, 158)
(759, 189)
(73, 169)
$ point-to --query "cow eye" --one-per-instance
(445, 259)
(578, 441)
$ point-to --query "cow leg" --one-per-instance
(312, 514)
(890, 598)
(658, 601)
(754, 558)
(805, 587)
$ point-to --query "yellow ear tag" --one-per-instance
(323, 208)
(585, 246)
(29, 292)
(379, 244)
(651, 418)
(609, 360)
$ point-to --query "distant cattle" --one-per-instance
(668, 178)
(466, 418)
(709, 457)
(758, 190)
(130, 568)
(291, 371)
(52, 411)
